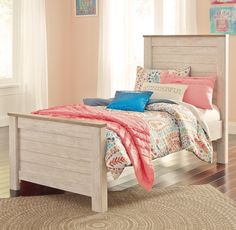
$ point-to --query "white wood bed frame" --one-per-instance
(68, 154)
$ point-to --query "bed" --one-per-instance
(77, 147)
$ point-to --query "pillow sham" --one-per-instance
(130, 100)
(199, 92)
(173, 78)
(165, 91)
(199, 96)
(154, 75)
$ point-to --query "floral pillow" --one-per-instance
(154, 75)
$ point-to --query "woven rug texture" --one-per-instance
(178, 208)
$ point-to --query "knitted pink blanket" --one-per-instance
(131, 129)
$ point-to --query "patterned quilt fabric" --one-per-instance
(172, 128)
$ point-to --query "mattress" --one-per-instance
(209, 119)
(209, 115)
(212, 118)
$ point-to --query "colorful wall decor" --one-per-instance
(86, 7)
(222, 1)
(223, 20)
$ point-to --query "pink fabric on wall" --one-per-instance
(199, 92)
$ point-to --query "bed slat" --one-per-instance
(60, 181)
(55, 128)
(56, 162)
(210, 51)
(55, 139)
(55, 150)
(180, 58)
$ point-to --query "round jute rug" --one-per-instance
(187, 207)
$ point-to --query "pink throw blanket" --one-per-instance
(132, 130)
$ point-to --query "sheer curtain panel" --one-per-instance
(31, 54)
(122, 26)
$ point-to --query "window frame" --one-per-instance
(12, 81)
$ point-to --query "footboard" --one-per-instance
(66, 154)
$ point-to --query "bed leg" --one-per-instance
(14, 193)
(14, 157)
(99, 191)
(99, 202)
(221, 148)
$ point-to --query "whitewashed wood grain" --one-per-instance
(99, 172)
(207, 55)
(14, 154)
(55, 150)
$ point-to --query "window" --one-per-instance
(6, 35)
(122, 26)
(169, 17)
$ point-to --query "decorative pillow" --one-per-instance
(153, 75)
(199, 92)
(199, 96)
(172, 78)
(130, 100)
(166, 91)
(96, 101)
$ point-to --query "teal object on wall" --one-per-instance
(86, 7)
(223, 20)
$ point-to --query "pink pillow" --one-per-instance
(199, 92)
(171, 78)
(199, 96)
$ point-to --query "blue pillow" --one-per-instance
(130, 100)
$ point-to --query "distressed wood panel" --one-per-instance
(181, 41)
(56, 150)
(72, 177)
(55, 139)
(206, 55)
(209, 50)
(204, 68)
(58, 182)
(79, 122)
(40, 137)
(55, 128)
(187, 58)
(56, 162)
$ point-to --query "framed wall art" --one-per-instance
(86, 8)
(222, 1)
(223, 20)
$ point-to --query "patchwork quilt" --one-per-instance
(172, 128)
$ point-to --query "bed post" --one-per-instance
(14, 157)
(99, 172)
(221, 145)
(148, 52)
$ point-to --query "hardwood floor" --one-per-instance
(222, 177)
(175, 170)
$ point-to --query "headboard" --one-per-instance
(206, 54)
